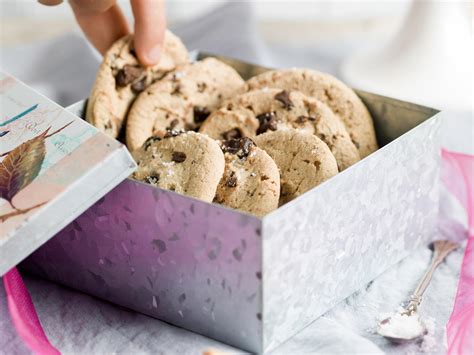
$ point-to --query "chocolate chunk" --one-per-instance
(200, 114)
(173, 133)
(149, 141)
(328, 94)
(234, 133)
(139, 85)
(201, 87)
(152, 179)
(231, 180)
(231, 146)
(301, 119)
(178, 157)
(267, 122)
(173, 124)
(247, 145)
(127, 75)
(108, 125)
(284, 98)
(240, 146)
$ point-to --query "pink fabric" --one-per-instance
(23, 315)
(458, 177)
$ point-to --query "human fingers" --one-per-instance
(150, 27)
(102, 22)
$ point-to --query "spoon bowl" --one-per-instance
(402, 327)
(405, 325)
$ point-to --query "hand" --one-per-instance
(103, 23)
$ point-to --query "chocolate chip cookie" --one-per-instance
(259, 111)
(251, 181)
(340, 98)
(120, 78)
(181, 100)
(255, 112)
(303, 159)
(186, 162)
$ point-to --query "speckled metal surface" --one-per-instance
(199, 265)
(184, 261)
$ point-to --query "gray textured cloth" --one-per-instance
(64, 70)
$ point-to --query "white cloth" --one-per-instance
(64, 69)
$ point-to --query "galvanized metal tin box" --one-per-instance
(252, 282)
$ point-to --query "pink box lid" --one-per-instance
(53, 166)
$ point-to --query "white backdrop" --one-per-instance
(301, 10)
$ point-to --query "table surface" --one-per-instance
(79, 323)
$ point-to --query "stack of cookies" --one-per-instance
(199, 129)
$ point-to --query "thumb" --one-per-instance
(150, 27)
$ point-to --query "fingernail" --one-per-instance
(154, 54)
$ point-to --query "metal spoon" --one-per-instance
(405, 324)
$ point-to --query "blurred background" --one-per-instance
(43, 45)
(278, 20)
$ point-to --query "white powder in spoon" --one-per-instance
(403, 326)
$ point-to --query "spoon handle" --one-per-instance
(441, 249)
